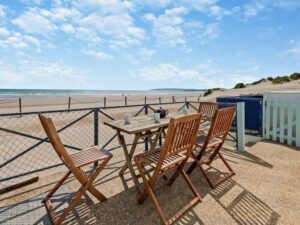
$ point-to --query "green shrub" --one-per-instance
(239, 85)
(270, 78)
(208, 92)
(280, 80)
(295, 76)
(259, 81)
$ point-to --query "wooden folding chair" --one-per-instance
(207, 109)
(173, 156)
(211, 143)
(73, 162)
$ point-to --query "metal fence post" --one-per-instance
(20, 106)
(187, 104)
(146, 138)
(173, 99)
(104, 102)
(145, 100)
(125, 100)
(240, 115)
(96, 127)
(69, 104)
(159, 100)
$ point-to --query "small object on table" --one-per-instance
(127, 118)
(185, 110)
(156, 117)
(163, 112)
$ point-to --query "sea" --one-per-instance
(13, 93)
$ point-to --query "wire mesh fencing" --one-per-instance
(25, 150)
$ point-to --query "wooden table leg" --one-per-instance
(155, 140)
(128, 157)
(130, 154)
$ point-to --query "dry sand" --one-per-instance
(256, 89)
(40, 103)
(264, 191)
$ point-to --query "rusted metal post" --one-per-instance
(96, 131)
(69, 104)
(125, 100)
(104, 102)
(20, 106)
(146, 138)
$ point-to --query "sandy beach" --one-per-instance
(44, 103)
(81, 133)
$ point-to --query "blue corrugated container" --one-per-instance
(253, 110)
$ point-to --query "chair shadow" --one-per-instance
(245, 208)
(122, 207)
(246, 156)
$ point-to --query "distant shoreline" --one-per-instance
(13, 93)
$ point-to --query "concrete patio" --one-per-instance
(265, 190)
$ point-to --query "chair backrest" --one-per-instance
(55, 140)
(207, 109)
(221, 123)
(181, 135)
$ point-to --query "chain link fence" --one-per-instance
(25, 151)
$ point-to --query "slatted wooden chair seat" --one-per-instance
(74, 162)
(208, 145)
(201, 138)
(88, 156)
(151, 158)
(172, 157)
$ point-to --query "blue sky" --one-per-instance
(144, 44)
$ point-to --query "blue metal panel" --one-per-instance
(253, 110)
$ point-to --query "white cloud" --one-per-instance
(154, 3)
(30, 2)
(252, 10)
(206, 74)
(116, 26)
(2, 11)
(9, 74)
(287, 4)
(35, 21)
(106, 6)
(167, 27)
(98, 54)
(294, 50)
(51, 70)
(68, 28)
(142, 55)
(200, 5)
(210, 32)
(19, 41)
(4, 31)
(63, 13)
(43, 74)
(165, 72)
(219, 12)
(89, 35)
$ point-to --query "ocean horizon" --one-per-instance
(9, 93)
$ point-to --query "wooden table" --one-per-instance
(141, 127)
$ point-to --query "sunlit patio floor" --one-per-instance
(265, 190)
